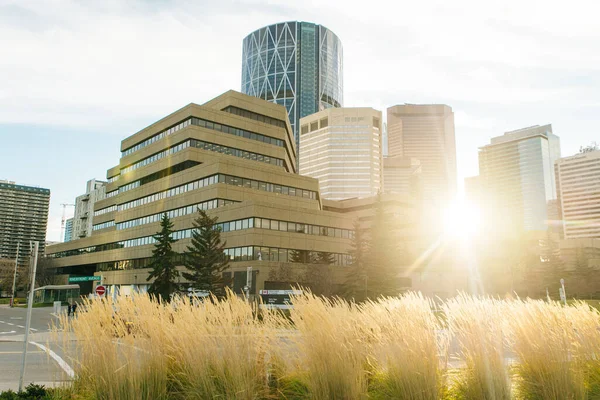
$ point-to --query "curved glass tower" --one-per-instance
(295, 64)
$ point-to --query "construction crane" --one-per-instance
(63, 220)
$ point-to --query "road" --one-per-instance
(49, 368)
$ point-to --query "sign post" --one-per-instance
(14, 287)
(100, 290)
(563, 294)
(36, 247)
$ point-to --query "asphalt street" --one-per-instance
(46, 363)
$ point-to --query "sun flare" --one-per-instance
(462, 220)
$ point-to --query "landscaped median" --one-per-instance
(135, 348)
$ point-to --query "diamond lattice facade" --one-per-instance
(295, 64)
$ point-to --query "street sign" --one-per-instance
(83, 278)
(278, 298)
(100, 290)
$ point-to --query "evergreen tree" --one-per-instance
(300, 256)
(356, 284)
(204, 257)
(323, 257)
(386, 256)
(163, 267)
(584, 277)
(552, 267)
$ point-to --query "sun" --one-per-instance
(462, 220)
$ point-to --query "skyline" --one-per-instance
(68, 114)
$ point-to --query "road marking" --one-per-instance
(66, 367)
(8, 323)
(16, 317)
(5, 333)
(20, 326)
(33, 329)
(20, 352)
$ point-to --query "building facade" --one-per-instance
(578, 189)
(295, 64)
(342, 148)
(517, 177)
(23, 218)
(426, 132)
(68, 230)
(402, 175)
(83, 218)
(220, 158)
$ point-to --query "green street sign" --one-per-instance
(83, 278)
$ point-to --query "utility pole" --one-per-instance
(12, 295)
(29, 307)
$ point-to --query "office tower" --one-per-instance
(83, 218)
(426, 133)
(517, 177)
(296, 64)
(222, 158)
(578, 189)
(23, 218)
(68, 230)
(341, 147)
(402, 175)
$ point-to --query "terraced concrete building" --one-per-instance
(234, 156)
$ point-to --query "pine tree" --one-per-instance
(163, 267)
(385, 255)
(356, 284)
(204, 257)
(552, 268)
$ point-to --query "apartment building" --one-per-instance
(83, 218)
(578, 190)
(233, 156)
(342, 148)
(23, 218)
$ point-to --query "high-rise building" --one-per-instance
(69, 230)
(517, 177)
(83, 219)
(296, 64)
(402, 175)
(218, 157)
(341, 147)
(426, 132)
(578, 189)
(23, 218)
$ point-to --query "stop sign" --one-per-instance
(100, 290)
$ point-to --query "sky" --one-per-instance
(77, 77)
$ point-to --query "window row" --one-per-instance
(105, 210)
(205, 205)
(113, 179)
(237, 152)
(211, 180)
(238, 132)
(285, 226)
(156, 137)
(220, 178)
(103, 225)
(267, 187)
(258, 253)
(155, 157)
(111, 194)
(254, 116)
(129, 186)
(205, 124)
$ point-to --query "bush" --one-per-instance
(32, 392)
(397, 347)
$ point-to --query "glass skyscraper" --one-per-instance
(295, 64)
(518, 178)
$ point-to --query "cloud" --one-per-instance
(114, 67)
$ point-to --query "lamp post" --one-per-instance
(14, 286)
